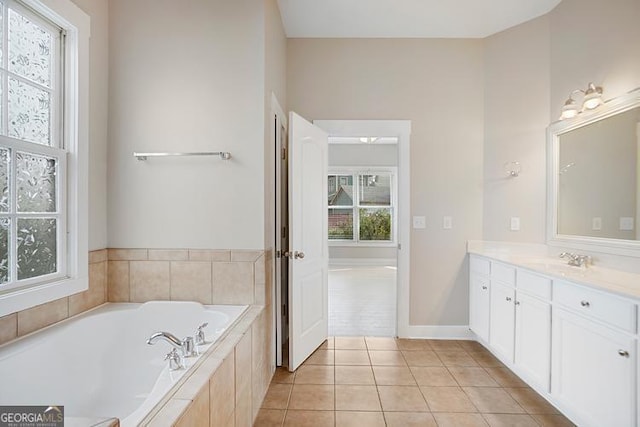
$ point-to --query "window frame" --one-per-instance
(355, 172)
(71, 131)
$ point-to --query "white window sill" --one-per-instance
(17, 300)
(338, 243)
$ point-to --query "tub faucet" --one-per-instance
(577, 260)
(186, 346)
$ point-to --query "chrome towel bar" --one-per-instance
(224, 155)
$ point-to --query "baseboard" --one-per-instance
(456, 332)
(383, 262)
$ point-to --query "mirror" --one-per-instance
(594, 177)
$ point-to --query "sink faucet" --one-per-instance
(577, 260)
(186, 346)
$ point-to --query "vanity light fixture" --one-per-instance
(592, 98)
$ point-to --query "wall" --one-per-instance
(438, 85)
(191, 78)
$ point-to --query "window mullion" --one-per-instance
(13, 226)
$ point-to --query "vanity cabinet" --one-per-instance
(479, 297)
(502, 324)
(533, 339)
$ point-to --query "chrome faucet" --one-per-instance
(200, 338)
(577, 260)
(186, 346)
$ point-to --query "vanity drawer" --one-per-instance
(504, 273)
(534, 284)
(604, 307)
(480, 265)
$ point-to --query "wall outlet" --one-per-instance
(447, 222)
(515, 223)
(626, 223)
(419, 222)
(596, 223)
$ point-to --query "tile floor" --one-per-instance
(362, 301)
(370, 382)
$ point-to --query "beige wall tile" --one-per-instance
(209, 255)
(170, 413)
(8, 328)
(197, 414)
(260, 280)
(149, 280)
(42, 315)
(222, 393)
(118, 281)
(191, 281)
(128, 254)
(233, 283)
(168, 255)
(245, 256)
(95, 295)
(98, 256)
(243, 366)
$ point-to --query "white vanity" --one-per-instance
(570, 332)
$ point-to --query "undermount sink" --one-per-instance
(556, 266)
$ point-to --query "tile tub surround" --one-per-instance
(206, 276)
(30, 320)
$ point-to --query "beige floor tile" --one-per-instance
(350, 343)
(357, 398)
(320, 357)
(433, 376)
(352, 357)
(456, 358)
(422, 358)
(412, 345)
(359, 419)
(309, 419)
(485, 359)
(312, 397)
(447, 399)
(269, 418)
(355, 375)
(505, 377)
(510, 420)
(552, 420)
(531, 401)
(328, 344)
(493, 400)
(277, 396)
(409, 419)
(460, 420)
(283, 376)
(314, 374)
(472, 376)
(381, 343)
(445, 345)
(402, 398)
(393, 375)
(386, 358)
(469, 345)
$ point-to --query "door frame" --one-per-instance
(402, 130)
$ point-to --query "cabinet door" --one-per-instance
(479, 300)
(593, 371)
(502, 323)
(533, 339)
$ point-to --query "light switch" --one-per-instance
(419, 222)
(596, 223)
(626, 223)
(515, 223)
(447, 222)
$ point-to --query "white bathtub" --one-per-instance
(99, 365)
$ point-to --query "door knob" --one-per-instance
(298, 255)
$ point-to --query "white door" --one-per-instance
(308, 249)
(533, 339)
(502, 322)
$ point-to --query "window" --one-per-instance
(361, 206)
(42, 163)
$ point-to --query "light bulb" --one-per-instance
(592, 97)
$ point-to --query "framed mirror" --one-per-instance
(593, 178)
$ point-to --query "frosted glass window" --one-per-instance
(37, 247)
(4, 250)
(29, 113)
(35, 183)
(4, 180)
(30, 48)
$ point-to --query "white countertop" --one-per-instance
(536, 258)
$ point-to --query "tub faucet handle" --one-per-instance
(200, 338)
(175, 361)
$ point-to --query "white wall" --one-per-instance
(186, 76)
(438, 85)
(98, 115)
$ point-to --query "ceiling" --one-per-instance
(406, 18)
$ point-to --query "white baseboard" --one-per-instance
(457, 332)
(338, 262)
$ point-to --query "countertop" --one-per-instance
(537, 258)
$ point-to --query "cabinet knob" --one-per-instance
(517, 302)
(623, 353)
(508, 298)
(484, 288)
(585, 303)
